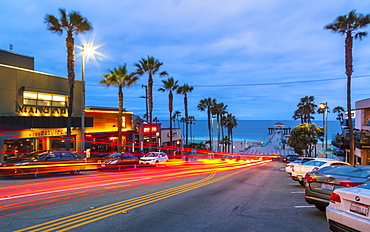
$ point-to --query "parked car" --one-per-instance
(320, 184)
(349, 209)
(300, 170)
(299, 160)
(289, 158)
(43, 162)
(154, 158)
(119, 161)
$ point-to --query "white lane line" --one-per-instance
(304, 206)
(296, 192)
(70, 189)
(294, 184)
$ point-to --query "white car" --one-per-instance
(299, 160)
(349, 209)
(154, 158)
(300, 170)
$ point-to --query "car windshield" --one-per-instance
(114, 155)
(151, 155)
(349, 170)
(315, 163)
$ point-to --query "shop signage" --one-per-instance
(44, 132)
(146, 129)
(42, 110)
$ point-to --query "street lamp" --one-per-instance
(89, 50)
(325, 106)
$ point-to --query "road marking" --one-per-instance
(296, 192)
(71, 189)
(294, 184)
(304, 206)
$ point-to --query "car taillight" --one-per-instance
(350, 184)
(293, 169)
(308, 178)
(335, 198)
(315, 169)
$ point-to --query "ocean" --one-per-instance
(249, 130)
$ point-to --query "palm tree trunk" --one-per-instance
(150, 108)
(218, 132)
(209, 129)
(119, 121)
(349, 71)
(170, 108)
(186, 119)
(71, 82)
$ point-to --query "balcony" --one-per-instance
(341, 141)
(362, 139)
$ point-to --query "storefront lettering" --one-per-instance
(41, 110)
(47, 133)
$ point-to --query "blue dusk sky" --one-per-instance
(259, 57)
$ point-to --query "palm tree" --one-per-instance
(339, 110)
(298, 114)
(169, 85)
(206, 104)
(307, 107)
(150, 66)
(121, 78)
(175, 117)
(71, 24)
(230, 123)
(349, 25)
(185, 89)
(191, 121)
(219, 109)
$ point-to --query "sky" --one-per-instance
(258, 57)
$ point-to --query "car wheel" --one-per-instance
(301, 182)
(75, 172)
(157, 164)
(321, 208)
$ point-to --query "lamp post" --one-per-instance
(83, 101)
(325, 106)
(90, 52)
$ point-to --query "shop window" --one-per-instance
(42, 99)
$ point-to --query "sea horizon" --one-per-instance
(247, 130)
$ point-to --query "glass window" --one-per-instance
(349, 170)
(41, 99)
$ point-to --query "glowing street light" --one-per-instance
(325, 107)
(86, 52)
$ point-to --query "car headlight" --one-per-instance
(21, 164)
(113, 162)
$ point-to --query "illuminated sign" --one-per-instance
(146, 129)
(42, 110)
(44, 132)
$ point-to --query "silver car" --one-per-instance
(154, 158)
(320, 184)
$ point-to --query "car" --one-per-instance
(154, 158)
(320, 184)
(349, 209)
(119, 161)
(289, 158)
(43, 162)
(299, 160)
(300, 170)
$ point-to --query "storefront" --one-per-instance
(34, 107)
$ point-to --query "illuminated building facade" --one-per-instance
(34, 107)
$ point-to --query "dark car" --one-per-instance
(119, 161)
(320, 184)
(43, 162)
(290, 158)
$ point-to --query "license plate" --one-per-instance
(359, 208)
(329, 187)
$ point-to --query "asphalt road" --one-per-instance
(258, 198)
